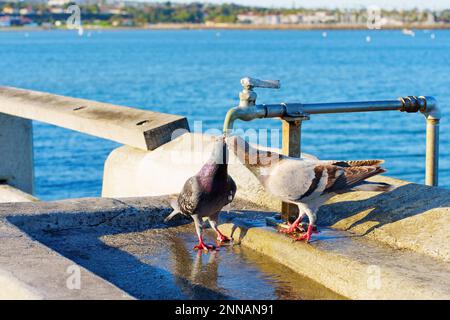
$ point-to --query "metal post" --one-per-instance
(432, 152)
(291, 136)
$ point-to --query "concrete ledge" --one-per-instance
(413, 216)
(11, 194)
(142, 129)
(14, 289)
(30, 270)
(346, 264)
(351, 265)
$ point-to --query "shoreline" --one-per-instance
(232, 26)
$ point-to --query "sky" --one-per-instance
(385, 4)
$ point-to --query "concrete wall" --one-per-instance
(16, 150)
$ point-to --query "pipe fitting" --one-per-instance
(412, 104)
(430, 109)
(243, 113)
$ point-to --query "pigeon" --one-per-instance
(206, 193)
(306, 182)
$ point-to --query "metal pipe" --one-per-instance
(433, 117)
(410, 104)
(293, 110)
(338, 107)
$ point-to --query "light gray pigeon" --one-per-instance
(306, 182)
(206, 193)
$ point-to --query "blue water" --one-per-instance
(196, 74)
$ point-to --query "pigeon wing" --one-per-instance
(232, 188)
(342, 179)
(293, 179)
(190, 196)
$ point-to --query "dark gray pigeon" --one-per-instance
(206, 193)
(307, 182)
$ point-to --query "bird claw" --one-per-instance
(307, 236)
(287, 231)
(204, 247)
(292, 228)
(304, 237)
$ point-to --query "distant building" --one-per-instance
(290, 19)
(58, 3)
(431, 19)
(5, 22)
(319, 17)
(57, 10)
(8, 10)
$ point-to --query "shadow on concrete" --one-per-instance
(403, 202)
(139, 279)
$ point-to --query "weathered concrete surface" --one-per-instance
(11, 194)
(158, 262)
(124, 242)
(348, 265)
(13, 289)
(413, 216)
(32, 270)
(142, 129)
(16, 150)
(345, 263)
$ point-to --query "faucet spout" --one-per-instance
(243, 113)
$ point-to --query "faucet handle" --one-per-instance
(249, 83)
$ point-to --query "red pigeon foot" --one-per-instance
(307, 235)
(203, 246)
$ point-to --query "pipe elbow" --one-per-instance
(244, 114)
(431, 110)
(229, 120)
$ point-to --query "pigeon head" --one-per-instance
(220, 151)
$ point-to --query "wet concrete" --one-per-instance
(159, 263)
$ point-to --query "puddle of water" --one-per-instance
(160, 264)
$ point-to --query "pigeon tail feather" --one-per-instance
(170, 216)
(374, 186)
(176, 209)
(357, 163)
(174, 204)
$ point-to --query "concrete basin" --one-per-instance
(121, 249)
